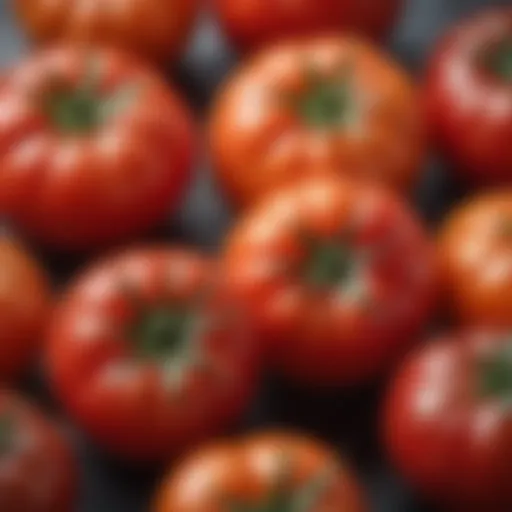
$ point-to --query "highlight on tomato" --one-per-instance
(153, 29)
(279, 471)
(95, 147)
(38, 471)
(149, 355)
(335, 104)
(338, 276)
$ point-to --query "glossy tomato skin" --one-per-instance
(234, 470)
(263, 133)
(37, 468)
(251, 24)
(448, 439)
(25, 305)
(470, 107)
(152, 29)
(80, 190)
(475, 250)
(137, 396)
(348, 330)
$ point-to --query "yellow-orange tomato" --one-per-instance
(155, 29)
(476, 255)
(335, 104)
(24, 307)
(271, 471)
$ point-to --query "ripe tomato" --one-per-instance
(37, 469)
(149, 356)
(447, 420)
(274, 471)
(25, 303)
(331, 103)
(476, 256)
(469, 98)
(253, 23)
(154, 29)
(338, 275)
(93, 147)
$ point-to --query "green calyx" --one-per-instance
(283, 497)
(499, 60)
(6, 433)
(82, 109)
(327, 102)
(496, 375)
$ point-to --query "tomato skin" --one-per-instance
(153, 29)
(323, 336)
(25, 304)
(37, 470)
(259, 141)
(475, 248)
(447, 439)
(470, 110)
(140, 407)
(251, 24)
(234, 470)
(82, 191)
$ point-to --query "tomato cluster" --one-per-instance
(327, 278)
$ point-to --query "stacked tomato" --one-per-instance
(328, 277)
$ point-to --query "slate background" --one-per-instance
(349, 419)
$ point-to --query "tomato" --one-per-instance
(150, 356)
(251, 24)
(25, 303)
(476, 253)
(37, 469)
(469, 100)
(332, 103)
(153, 29)
(263, 472)
(338, 276)
(447, 420)
(94, 147)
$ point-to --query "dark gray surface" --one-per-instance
(348, 420)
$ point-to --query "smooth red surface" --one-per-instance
(83, 191)
(37, 470)
(129, 404)
(343, 334)
(470, 109)
(447, 439)
(249, 469)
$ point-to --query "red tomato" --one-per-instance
(25, 303)
(252, 23)
(448, 425)
(331, 103)
(149, 356)
(274, 471)
(37, 469)
(339, 276)
(155, 29)
(476, 254)
(93, 147)
(469, 98)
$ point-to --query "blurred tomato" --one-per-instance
(25, 303)
(264, 472)
(469, 97)
(149, 356)
(94, 147)
(448, 424)
(154, 29)
(476, 253)
(252, 23)
(37, 468)
(334, 104)
(338, 276)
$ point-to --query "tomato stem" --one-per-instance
(498, 60)
(6, 433)
(496, 375)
